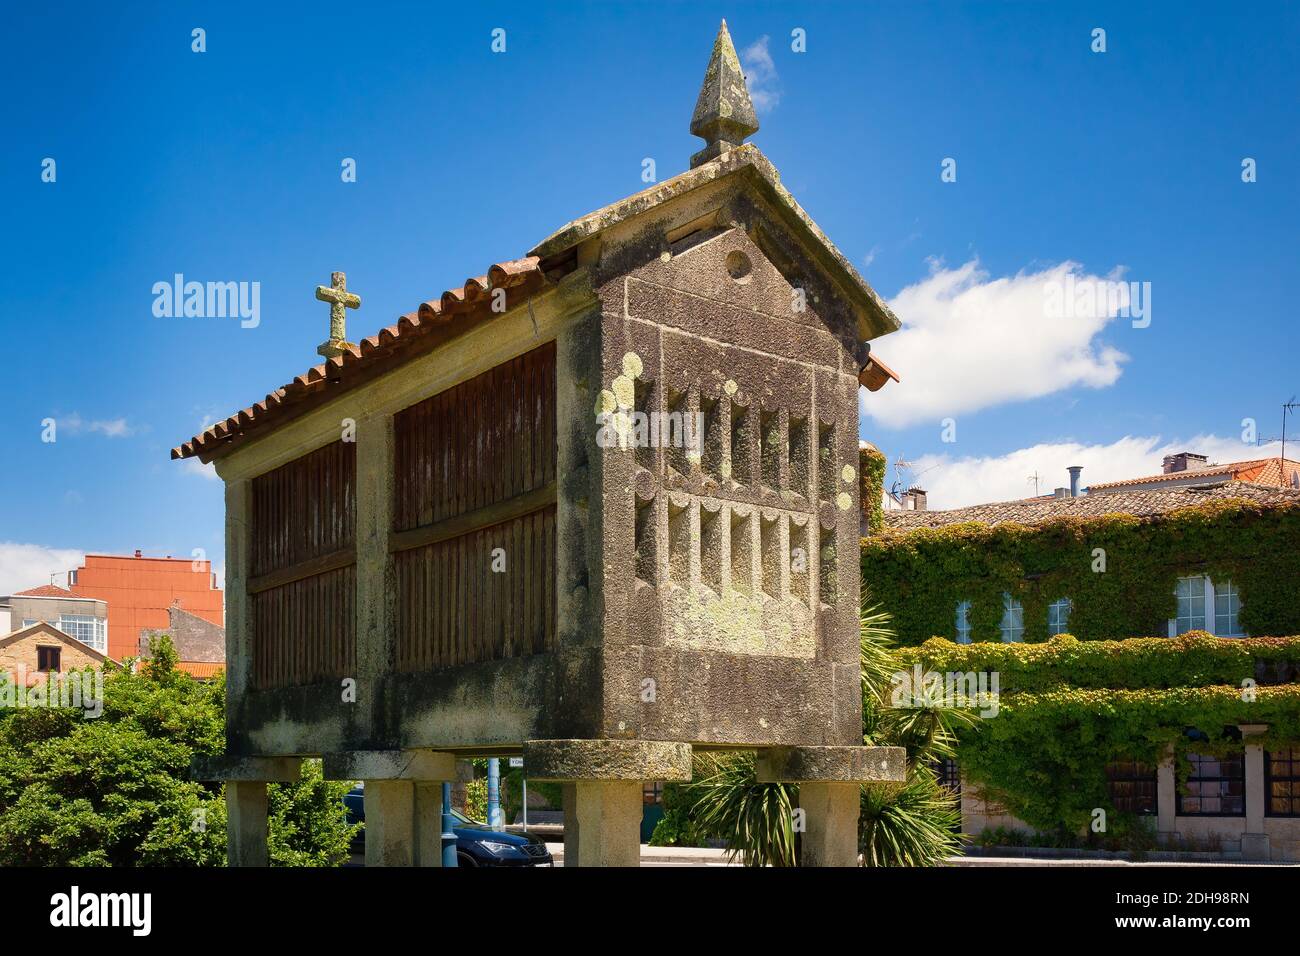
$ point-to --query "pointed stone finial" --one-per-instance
(724, 114)
(340, 300)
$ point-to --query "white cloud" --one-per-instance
(192, 466)
(25, 566)
(958, 482)
(970, 342)
(760, 75)
(74, 424)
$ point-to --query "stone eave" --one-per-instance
(874, 317)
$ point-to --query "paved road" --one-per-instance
(697, 856)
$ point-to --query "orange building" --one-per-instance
(139, 591)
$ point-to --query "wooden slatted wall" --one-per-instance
(303, 572)
(475, 472)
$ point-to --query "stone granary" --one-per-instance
(598, 506)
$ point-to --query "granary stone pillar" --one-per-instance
(239, 622)
(246, 834)
(1167, 794)
(1254, 842)
(246, 800)
(602, 791)
(374, 568)
(403, 801)
(829, 780)
(390, 823)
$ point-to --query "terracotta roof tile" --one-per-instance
(1146, 503)
(1263, 471)
(471, 302)
(201, 669)
(45, 590)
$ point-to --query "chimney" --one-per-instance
(1184, 461)
(138, 554)
(1075, 471)
(915, 498)
(1061, 493)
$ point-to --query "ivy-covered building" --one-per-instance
(1142, 643)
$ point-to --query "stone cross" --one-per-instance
(340, 299)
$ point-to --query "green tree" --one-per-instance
(115, 790)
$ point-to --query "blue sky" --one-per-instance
(225, 166)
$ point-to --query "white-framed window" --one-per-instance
(1206, 605)
(963, 622)
(1190, 593)
(1013, 620)
(89, 630)
(28, 622)
(1058, 616)
(1227, 607)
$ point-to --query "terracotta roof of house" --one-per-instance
(45, 590)
(45, 627)
(1146, 503)
(1261, 471)
(433, 323)
(201, 669)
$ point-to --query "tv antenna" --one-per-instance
(1287, 409)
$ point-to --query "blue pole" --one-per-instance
(448, 828)
(494, 793)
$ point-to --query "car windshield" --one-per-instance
(461, 818)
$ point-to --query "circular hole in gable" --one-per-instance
(739, 266)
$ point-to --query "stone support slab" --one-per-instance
(832, 764)
(830, 781)
(246, 769)
(424, 765)
(577, 760)
(602, 791)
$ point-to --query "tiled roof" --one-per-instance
(440, 319)
(46, 627)
(1032, 511)
(1263, 471)
(201, 669)
(430, 325)
(46, 590)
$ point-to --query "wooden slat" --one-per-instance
(304, 569)
(303, 555)
(492, 514)
(470, 613)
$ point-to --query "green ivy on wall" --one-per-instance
(871, 475)
(919, 576)
(1195, 659)
(1068, 707)
(1044, 755)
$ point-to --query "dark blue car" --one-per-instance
(476, 843)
